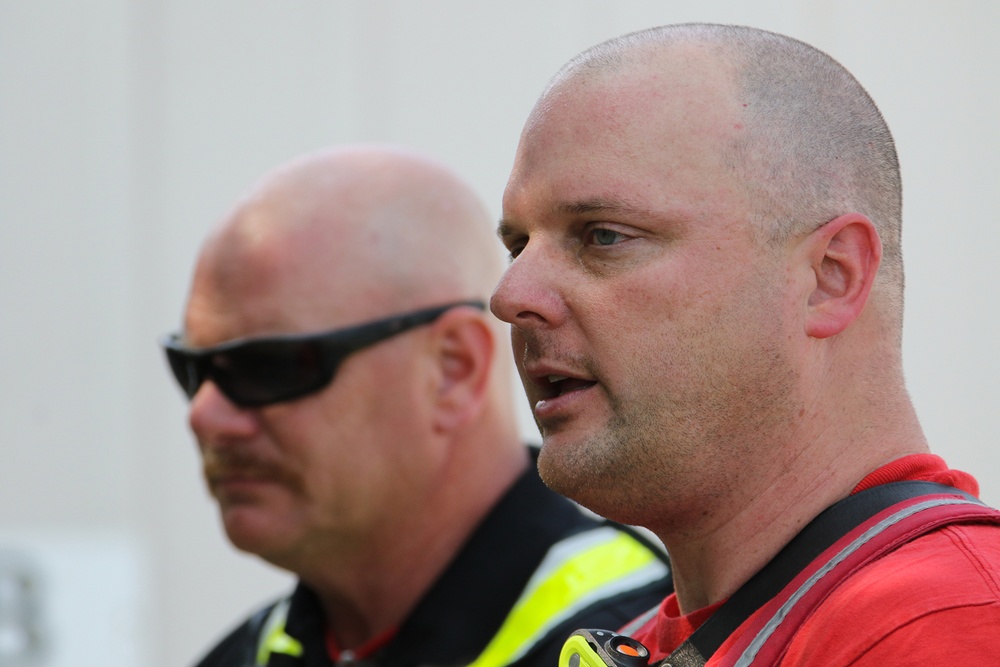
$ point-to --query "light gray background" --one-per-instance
(128, 127)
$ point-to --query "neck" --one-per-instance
(364, 597)
(749, 524)
(712, 561)
(375, 586)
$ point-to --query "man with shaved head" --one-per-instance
(352, 404)
(705, 293)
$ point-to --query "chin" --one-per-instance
(254, 532)
(586, 472)
(564, 472)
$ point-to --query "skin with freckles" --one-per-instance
(701, 336)
(415, 435)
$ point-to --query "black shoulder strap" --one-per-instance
(822, 532)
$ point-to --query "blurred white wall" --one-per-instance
(127, 127)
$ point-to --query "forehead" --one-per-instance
(657, 131)
(259, 279)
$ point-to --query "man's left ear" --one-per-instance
(464, 352)
(844, 255)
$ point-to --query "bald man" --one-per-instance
(705, 293)
(352, 404)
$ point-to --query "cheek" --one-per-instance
(343, 469)
(374, 422)
(631, 315)
(667, 319)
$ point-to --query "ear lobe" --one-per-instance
(464, 357)
(845, 254)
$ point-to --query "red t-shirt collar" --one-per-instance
(360, 653)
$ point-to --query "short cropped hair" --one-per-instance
(816, 146)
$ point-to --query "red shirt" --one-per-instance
(935, 600)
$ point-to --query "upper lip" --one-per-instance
(230, 464)
(539, 372)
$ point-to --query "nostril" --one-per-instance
(528, 319)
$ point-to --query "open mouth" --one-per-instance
(560, 385)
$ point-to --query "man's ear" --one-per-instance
(464, 355)
(844, 256)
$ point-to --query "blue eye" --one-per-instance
(605, 236)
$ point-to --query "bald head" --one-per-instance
(364, 229)
(811, 144)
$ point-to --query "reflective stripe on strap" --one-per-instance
(828, 569)
(273, 638)
(575, 573)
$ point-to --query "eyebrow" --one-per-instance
(507, 228)
(601, 205)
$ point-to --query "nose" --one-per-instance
(527, 295)
(217, 421)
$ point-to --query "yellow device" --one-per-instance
(602, 648)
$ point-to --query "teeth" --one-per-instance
(557, 378)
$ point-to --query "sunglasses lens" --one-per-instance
(270, 371)
(185, 369)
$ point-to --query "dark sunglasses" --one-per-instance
(252, 372)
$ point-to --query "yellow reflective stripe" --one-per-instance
(586, 568)
(273, 638)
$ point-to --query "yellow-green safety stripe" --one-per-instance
(575, 573)
(274, 639)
